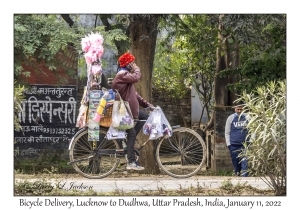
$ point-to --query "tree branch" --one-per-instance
(68, 19)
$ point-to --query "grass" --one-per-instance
(45, 188)
(51, 163)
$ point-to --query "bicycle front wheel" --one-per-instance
(86, 159)
(182, 155)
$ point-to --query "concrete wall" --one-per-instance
(197, 105)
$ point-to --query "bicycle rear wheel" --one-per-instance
(86, 158)
(182, 155)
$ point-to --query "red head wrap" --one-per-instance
(125, 59)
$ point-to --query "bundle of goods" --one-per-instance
(157, 125)
(96, 103)
(122, 119)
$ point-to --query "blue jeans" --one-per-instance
(239, 164)
(132, 133)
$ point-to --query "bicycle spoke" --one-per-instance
(80, 148)
(92, 164)
(181, 155)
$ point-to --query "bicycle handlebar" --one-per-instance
(148, 108)
(137, 120)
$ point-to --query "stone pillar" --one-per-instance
(220, 156)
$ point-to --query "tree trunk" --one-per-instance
(230, 59)
(223, 57)
(68, 19)
(227, 57)
(234, 63)
(143, 30)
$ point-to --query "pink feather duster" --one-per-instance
(92, 46)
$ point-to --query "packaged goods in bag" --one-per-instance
(115, 111)
(93, 126)
(166, 127)
(111, 94)
(101, 106)
(125, 122)
(156, 130)
(91, 123)
(113, 133)
(122, 110)
(157, 125)
(100, 110)
(167, 130)
(93, 135)
(121, 115)
(81, 119)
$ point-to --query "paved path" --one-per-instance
(150, 183)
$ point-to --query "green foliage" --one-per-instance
(167, 74)
(267, 152)
(233, 189)
(225, 173)
(37, 188)
(262, 41)
(119, 25)
(50, 163)
(42, 39)
(185, 56)
(38, 39)
(227, 185)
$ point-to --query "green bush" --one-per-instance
(266, 153)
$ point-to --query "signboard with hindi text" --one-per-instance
(48, 120)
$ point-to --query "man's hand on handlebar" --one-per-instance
(151, 107)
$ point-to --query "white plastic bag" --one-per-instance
(125, 119)
(115, 113)
(81, 119)
(166, 127)
(113, 133)
(121, 115)
(157, 125)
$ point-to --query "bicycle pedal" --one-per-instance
(119, 150)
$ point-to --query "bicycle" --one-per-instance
(181, 156)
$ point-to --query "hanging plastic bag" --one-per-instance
(115, 112)
(125, 120)
(166, 127)
(101, 106)
(81, 119)
(121, 115)
(113, 133)
(157, 125)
